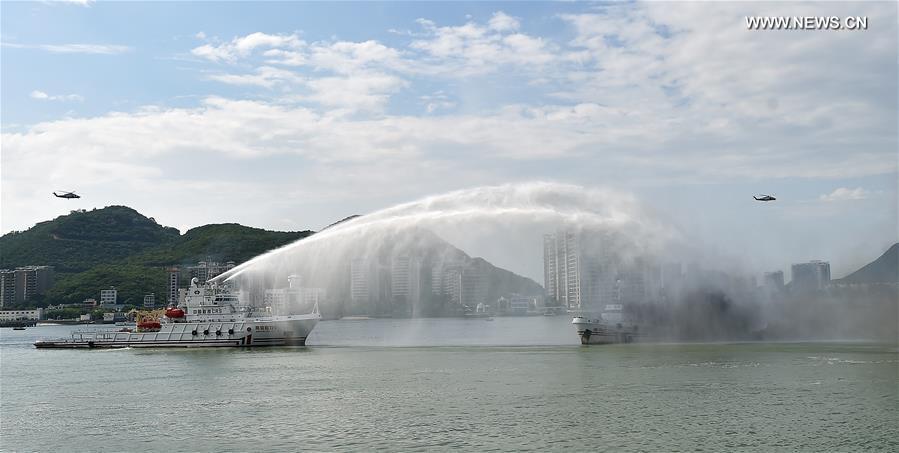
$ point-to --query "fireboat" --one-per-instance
(208, 315)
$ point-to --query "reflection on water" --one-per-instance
(449, 389)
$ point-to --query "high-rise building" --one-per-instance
(551, 281)
(463, 284)
(474, 285)
(562, 268)
(24, 283)
(405, 279)
(811, 276)
(774, 281)
(174, 278)
(7, 287)
(361, 281)
(585, 272)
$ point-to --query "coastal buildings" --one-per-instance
(462, 284)
(22, 315)
(585, 271)
(295, 299)
(150, 301)
(206, 270)
(22, 284)
(811, 276)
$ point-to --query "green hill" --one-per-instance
(117, 246)
(83, 239)
(882, 270)
(220, 242)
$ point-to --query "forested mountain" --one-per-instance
(83, 239)
(117, 246)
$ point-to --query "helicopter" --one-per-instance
(763, 197)
(66, 194)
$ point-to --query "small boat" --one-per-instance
(609, 327)
(18, 328)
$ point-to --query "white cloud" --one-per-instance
(285, 57)
(85, 3)
(361, 92)
(100, 49)
(265, 76)
(200, 35)
(346, 57)
(503, 22)
(37, 94)
(845, 194)
(243, 46)
(472, 49)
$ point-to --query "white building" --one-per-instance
(18, 315)
(150, 300)
(109, 296)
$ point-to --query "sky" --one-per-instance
(290, 116)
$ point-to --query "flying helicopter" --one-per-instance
(66, 194)
(763, 197)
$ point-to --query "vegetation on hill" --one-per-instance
(132, 283)
(117, 246)
(78, 241)
(222, 242)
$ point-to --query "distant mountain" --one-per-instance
(882, 270)
(83, 239)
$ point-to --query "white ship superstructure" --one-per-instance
(209, 315)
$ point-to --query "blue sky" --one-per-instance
(292, 115)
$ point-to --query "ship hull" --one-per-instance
(599, 332)
(276, 331)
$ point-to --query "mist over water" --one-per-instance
(506, 225)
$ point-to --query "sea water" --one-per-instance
(436, 384)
